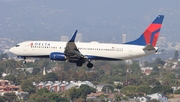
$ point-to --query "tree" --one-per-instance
(177, 91)
(56, 97)
(72, 93)
(102, 97)
(79, 100)
(134, 67)
(66, 66)
(3, 56)
(44, 95)
(170, 75)
(153, 100)
(155, 69)
(117, 97)
(38, 98)
(85, 90)
(128, 89)
(51, 77)
(36, 71)
(2, 99)
(118, 86)
(10, 97)
(82, 92)
(143, 89)
(159, 61)
(167, 89)
(27, 86)
(152, 81)
(42, 91)
(176, 55)
(162, 88)
(107, 89)
(10, 78)
(156, 89)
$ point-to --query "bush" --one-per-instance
(177, 91)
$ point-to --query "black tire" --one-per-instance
(79, 64)
(89, 65)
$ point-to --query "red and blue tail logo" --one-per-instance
(150, 35)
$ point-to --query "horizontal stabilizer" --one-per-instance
(149, 47)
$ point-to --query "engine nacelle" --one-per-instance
(57, 56)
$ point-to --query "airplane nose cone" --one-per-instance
(11, 50)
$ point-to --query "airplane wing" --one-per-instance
(73, 54)
(71, 50)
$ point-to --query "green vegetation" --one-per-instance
(9, 97)
(44, 95)
(27, 86)
(80, 93)
(132, 81)
(177, 91)
(51, 77)
(108, 89)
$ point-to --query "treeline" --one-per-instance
(129, 75)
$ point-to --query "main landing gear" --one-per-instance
(79, 64)
(89, 64)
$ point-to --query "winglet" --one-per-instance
(73, 37)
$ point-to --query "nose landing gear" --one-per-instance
(24, 62)
(24, 59)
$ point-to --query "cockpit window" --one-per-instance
(17, 45)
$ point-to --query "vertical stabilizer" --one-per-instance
(151, 34)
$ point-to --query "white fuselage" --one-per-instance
(105, 50)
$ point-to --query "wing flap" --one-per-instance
(71, 49)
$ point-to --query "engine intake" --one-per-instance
(57, 56)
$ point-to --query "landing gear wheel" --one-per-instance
(89, 65)
(79, 64)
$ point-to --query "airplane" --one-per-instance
(82, 52)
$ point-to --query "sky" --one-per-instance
(99, 20)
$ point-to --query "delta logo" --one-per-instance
(39, 44)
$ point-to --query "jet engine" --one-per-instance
(57, 56)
